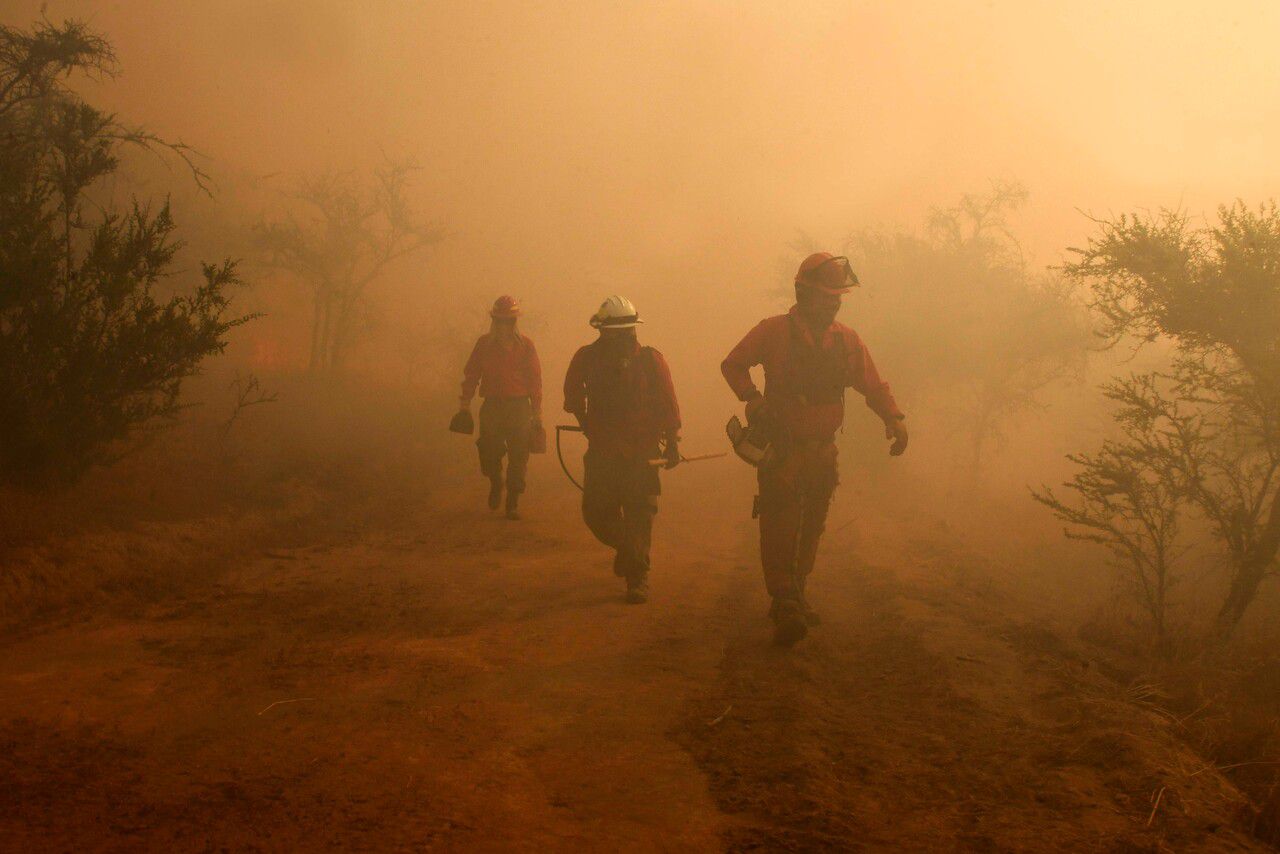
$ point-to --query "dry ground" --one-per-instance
(446, 680)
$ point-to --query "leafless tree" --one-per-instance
(249, 392)
(987, 335)
(1128, 499)
(340, 237)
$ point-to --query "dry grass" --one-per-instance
(1211, 723)
(195, 495)
(1224, 703)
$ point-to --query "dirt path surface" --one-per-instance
(452, 681)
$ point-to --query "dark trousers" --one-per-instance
(619, 500)
(506, 424)
(795, 496)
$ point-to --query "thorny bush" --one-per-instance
(1207, 428)
(89, 353)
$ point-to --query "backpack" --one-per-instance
(611, 396)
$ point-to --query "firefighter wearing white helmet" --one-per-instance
(624, 400)
(616, 313)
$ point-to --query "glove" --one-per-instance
(462, 422)
(756, 407)
(537, 437)
(897, 431)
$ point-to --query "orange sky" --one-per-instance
(729, 114)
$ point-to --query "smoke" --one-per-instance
(671, 151)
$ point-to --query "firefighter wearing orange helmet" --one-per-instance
(504, 367)
(809, 359)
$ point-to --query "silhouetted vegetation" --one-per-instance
(1204, 432)
(1129, 502)
(89, 353)
(984, 333)
(341, 239)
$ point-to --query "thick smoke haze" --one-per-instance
(670, 151)
(744, 116)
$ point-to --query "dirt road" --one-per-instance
(452, 681)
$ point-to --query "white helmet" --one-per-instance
(616, 313)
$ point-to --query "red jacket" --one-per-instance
(625, 406)
(805, 380)
(503, 369)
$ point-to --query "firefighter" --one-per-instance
(622, 395)
(809, 360)
(504, 365)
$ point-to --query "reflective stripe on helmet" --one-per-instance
(616, 312)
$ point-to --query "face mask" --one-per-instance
(817, 309)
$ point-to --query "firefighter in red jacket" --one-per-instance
(504, 365)
(809, 360)
(622, 395)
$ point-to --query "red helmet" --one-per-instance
(505, 306)
(826, 272)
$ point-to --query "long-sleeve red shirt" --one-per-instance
(624, 404)
(770, 344)
(503, 368)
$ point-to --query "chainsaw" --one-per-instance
(752, 442)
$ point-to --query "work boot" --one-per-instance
(495, 492)
(810, 616)
(789, 624)
(513, 498)
(637, 590)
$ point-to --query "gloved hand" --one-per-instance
(897, 431)
(462, 422)
(755, 408)
(672, 453)
(537, 435)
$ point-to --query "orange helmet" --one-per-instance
(826, 272)
(505, 306)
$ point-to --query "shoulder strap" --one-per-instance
(651, 362)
